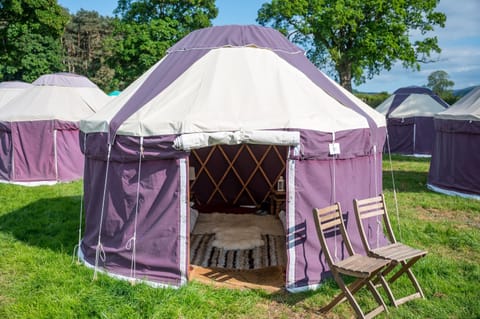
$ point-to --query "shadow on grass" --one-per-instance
(47, 223)
(407, 158)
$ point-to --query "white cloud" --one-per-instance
(462, 19)
(460, 56)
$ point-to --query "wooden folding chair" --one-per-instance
(328, 221)
(398, 253)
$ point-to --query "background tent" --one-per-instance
(39, 129)
(409, 112)
(10, 89)
(114, 93)
(455, 168)
(221, 101)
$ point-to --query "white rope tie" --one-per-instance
(132, 243)
(99, 255)
(100, 252)
(394, 189)
(334, 199)
(379, 223)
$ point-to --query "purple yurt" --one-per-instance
(209, 134)
(39, 135)
(409, 112)
(10, 89)
(454, 168)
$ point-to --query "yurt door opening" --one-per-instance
(237, 213)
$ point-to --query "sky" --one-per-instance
(459, 40)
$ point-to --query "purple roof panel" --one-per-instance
(413, 90)
(418, 90)
(236, 36)
(64, 79)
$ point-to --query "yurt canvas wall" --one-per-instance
(409, 112)
(455, 168)
(39, 129)
(230, 85)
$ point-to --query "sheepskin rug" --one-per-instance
(238, 231)
(233, 238)
(267, 224)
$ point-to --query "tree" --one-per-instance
(357, 39)
(439, 82)
(30, 32)
(190, 14)
(147, 28)
(441, 85)
(136, 47)
(84, 46)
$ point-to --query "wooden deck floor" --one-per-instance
(270, 279)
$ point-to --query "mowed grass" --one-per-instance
(38, 279)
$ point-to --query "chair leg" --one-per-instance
(349, 291)
(353, 288)
(414, 281)
(405, 268)
(387, 289)
(348, 294)
(381, 304)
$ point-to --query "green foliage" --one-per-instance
(136, 47)
(359, 38)
(30, 33)
(440, 83)
(147, 28)
(372, 99)
(83, 43)
(189, 14)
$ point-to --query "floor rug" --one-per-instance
(203, 253)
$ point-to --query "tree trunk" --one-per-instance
(345, 75)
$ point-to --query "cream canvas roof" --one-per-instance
(9, 90)
(55, 97)
(414, 105)
(234, 89)
(467, 108)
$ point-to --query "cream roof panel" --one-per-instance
(417, 105)
(232, 89)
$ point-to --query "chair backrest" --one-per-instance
(372, 207)
(327, 220)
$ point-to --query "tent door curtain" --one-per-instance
(5, 152)
(33, 151)
(235, 175)
(70, 160)
(401, 136)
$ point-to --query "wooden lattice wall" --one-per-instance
(237, 174)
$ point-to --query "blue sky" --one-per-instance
(459, 40)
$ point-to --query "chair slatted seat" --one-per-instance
(363, 268)
(398, 253)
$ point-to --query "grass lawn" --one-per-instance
(38, 279)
